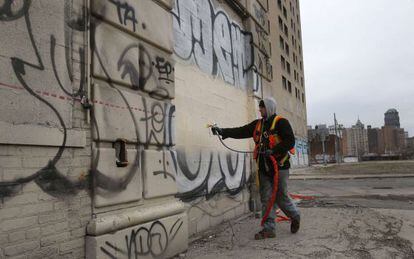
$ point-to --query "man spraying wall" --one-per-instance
(274, 140)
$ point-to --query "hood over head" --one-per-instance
(270, 105)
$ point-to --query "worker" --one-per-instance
(265, 131)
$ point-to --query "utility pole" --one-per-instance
(337, 159)
(322, 137)
(323, 151)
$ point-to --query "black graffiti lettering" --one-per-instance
(80, 91)
(157, 127)
(140, 248)
(231, 60)
(138, 77)
(145, 65)
(110, 250)
(164, 172)
(217, 45)
(158, 241)
(257, 83)
(233, 175)
(128, 68)
(158, 117)
(14, 9)
(155, 118)
(164, 69)
(144, 241)
(48, 178)
(175, 228)
(100, 179)
(223, 47)
(78, 23)
(125, 13)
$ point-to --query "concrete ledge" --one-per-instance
(40, 135)
(113, 223)
(162, 238)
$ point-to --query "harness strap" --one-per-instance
(275, 120)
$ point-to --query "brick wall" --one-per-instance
(45, 205)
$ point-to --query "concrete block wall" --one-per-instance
(134, 164)
(44, 133)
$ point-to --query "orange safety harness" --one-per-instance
(274, 140)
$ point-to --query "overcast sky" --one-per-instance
(359, 60)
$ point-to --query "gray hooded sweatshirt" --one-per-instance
(270, 105)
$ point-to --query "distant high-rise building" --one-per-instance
(355, 140)
(375, 140)
(393, 136)
(391, 118)
(394, 139)
(410, 143)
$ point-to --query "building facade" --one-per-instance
(324, 145)
(288, 83)
(409, 151)
(355, 140)
(375, 141)
(322, 151)
(394, 140)
(104, 150)
(391, 118)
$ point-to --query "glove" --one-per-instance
(268, 152)
(216, 130)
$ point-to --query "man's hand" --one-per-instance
(216, 130)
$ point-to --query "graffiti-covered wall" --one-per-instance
(301, 156)
(208, 37)
(215, 72)
(134, 160)
(44, 132)
(104, 146)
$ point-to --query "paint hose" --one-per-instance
(274, 192)
(275, 181)
(229, 148)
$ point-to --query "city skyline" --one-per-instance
(356, 59)
(328, 124)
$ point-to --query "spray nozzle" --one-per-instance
(214, 125)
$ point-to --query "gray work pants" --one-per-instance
(283, 201)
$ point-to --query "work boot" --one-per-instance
(264, 233)
(294, 225)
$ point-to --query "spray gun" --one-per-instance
(214, 128)
(218, 132)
